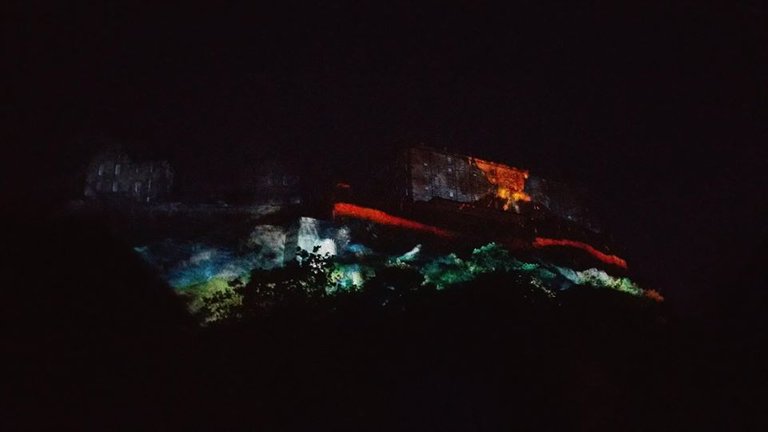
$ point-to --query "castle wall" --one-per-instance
(115, 174)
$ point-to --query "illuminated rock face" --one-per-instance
(309, 233)
(268, 242)
(185, 264)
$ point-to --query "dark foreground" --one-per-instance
(93, 340)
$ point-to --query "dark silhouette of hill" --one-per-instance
(92, 339)
(92, 336)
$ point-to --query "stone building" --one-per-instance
(434, 174)
(112, 173)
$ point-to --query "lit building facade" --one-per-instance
(112, 173)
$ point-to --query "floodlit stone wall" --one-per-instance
(113, 173)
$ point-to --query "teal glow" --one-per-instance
(448, 270)
(206, 276)
(408, 257)
(349, 277)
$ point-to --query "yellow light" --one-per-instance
(509, 181)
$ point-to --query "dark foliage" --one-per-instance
(97, 342)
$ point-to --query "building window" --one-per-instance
(117, 169)
(149, 185)
(137, 188)
(101, 169)
(114, 186)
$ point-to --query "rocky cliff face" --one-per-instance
(357, 250)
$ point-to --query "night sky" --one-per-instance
(659, 110)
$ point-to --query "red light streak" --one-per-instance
(380, 217)
(608, 259)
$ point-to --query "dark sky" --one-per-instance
(660, 110)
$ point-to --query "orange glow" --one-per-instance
(380, 217)
(608, 259)
(509, 182)
(654, 295)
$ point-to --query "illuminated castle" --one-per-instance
(474, 200)
(439, 208)
(471, 183)
(431, 174)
